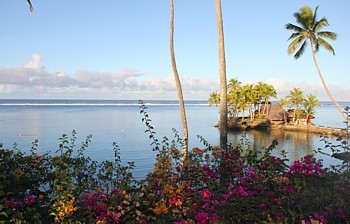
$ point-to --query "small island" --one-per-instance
(294, 112)
(266, 123)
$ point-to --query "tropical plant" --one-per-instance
(283, 102)
(245, 184)
(295, 98)
(223, 81)
(178, 83)
(309, 104)
(251, 99)
(265, 92)
(259, 87)
(270, 93)
(233, 85)
(214, 99)
(233, 95)
(310, 32)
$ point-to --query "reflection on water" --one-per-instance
(296, 144)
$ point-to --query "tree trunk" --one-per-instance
(178, 84)
(223, 81)
(324, 83)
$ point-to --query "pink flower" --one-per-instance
(227, 196)
(29, 200)
(241, 192)
(230, 186)
(201, 218)
(215, 202)
(205, 194)
(306, 166)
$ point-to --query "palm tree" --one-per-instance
(265, 91)
(310, 32)
(309, 104)
(233, 85)
(233, 88)
(250, 98)
(283, 102)
(178, 83)
(295, 98)
(270, 92)
(30, 6)
(232, 101)
(214, 98)
(223, 81)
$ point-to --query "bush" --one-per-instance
(234, 185)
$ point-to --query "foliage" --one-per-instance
(239, 184)
(254, 98)
(247, 97)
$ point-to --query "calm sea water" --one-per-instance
(108, 121)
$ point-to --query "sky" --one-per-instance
(119, 49)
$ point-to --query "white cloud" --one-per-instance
(283, 88)
(35, 63)
(32, 80)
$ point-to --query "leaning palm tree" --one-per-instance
(178, 84)
(310, 32)
(30, 6)
(223, 81)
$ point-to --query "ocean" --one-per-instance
(108, 121)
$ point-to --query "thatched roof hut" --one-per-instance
(276, 113)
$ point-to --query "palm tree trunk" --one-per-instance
(178, 84)
(324, 83)
(223, 81)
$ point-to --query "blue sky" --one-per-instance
(119, 49)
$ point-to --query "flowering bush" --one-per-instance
(234, 185)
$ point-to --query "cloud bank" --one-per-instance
(32, 80)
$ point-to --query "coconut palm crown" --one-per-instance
(310, 29)
(310, 32)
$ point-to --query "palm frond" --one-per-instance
(327, 34)
(306, 17)
(295, 44)
(30, 6)
(317, 47)
(293, 27)
(301, 50)
(300, 20)
(314, 20)
(294, 35)
(325, 44)
(320, 24)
